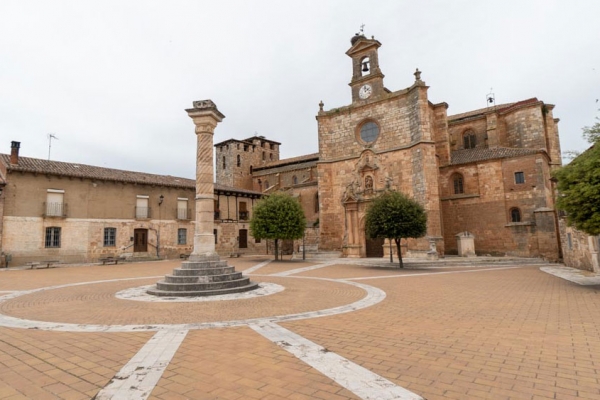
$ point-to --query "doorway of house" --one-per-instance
(140, 240)
(243, 244)
(375, 247)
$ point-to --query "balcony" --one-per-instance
(244, 215)
(55, 210)
(143, 212)
(184, 213)
(217, 214)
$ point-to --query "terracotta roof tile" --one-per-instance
(292, 160)
(36, 165)
(500, 108)
(483, 154)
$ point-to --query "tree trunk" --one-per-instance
(276, 249)
(397, 240)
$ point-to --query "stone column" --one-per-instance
(206, 117)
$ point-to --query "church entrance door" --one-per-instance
(375, 247)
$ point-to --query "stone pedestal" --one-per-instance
(466, 244)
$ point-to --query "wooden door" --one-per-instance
(243, 238)
(140, 240)
(375, 247)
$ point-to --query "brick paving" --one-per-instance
(452, 333)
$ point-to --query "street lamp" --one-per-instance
(160, 201)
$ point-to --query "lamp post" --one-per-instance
(160, 201)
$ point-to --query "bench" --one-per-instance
(42, 264)
(114, 260)
(184, 256)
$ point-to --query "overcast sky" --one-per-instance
(111, 79)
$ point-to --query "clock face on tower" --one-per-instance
(365, 91)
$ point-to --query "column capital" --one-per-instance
(205, 115)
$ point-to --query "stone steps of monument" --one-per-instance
(194, 293)
(190, 287)
(207, 271)
(202, 265)
(204, 278)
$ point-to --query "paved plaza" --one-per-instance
(331, 329)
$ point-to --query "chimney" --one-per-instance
(14, 152)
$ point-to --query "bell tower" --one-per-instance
(367, 78)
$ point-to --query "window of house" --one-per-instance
(515, 215)
(141, 207)
(316, 202)
(251, 169)
(110, 237)
(469, 140)
(215, 233)
(244, 215)
(369, 131)
(181, 236)
(272, 146)
(263, 155)
(458, 184)
(182, 208)
(239, 160)
(519, 177)
(224, 163)
(52, 237)
(55, 206)
(256, 240)
(294, 180)
(245, 147)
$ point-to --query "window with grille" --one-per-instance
(469, 140)
(181, 236)
(110, 237)
(141, 207)
(458, 184)
(519, 177)
(52, 237)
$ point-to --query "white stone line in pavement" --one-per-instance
(428, 273)
(137, 379)
(140, 294)
(256, 267)
(573, 275)
(374, 296)
(299, 270)
(360, 381)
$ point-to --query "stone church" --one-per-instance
(485, 172)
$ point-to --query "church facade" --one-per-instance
(486, 172)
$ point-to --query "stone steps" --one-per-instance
(204, 278)
(213, 292)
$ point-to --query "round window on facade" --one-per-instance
(369, 132)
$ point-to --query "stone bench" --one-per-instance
(42, 264)
(113, 260)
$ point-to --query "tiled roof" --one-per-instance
(500, 108)
(36, 165)
(292, 160)
(482, 154)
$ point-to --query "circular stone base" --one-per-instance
(141, 294)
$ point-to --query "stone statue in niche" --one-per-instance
(368, 184)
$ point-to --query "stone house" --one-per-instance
(486, 171)
(52, 210)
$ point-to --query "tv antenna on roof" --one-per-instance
(50, 137)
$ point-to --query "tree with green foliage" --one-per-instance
(579, 185)
(395, 216)
(278, 216)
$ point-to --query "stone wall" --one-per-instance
(579, 249)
